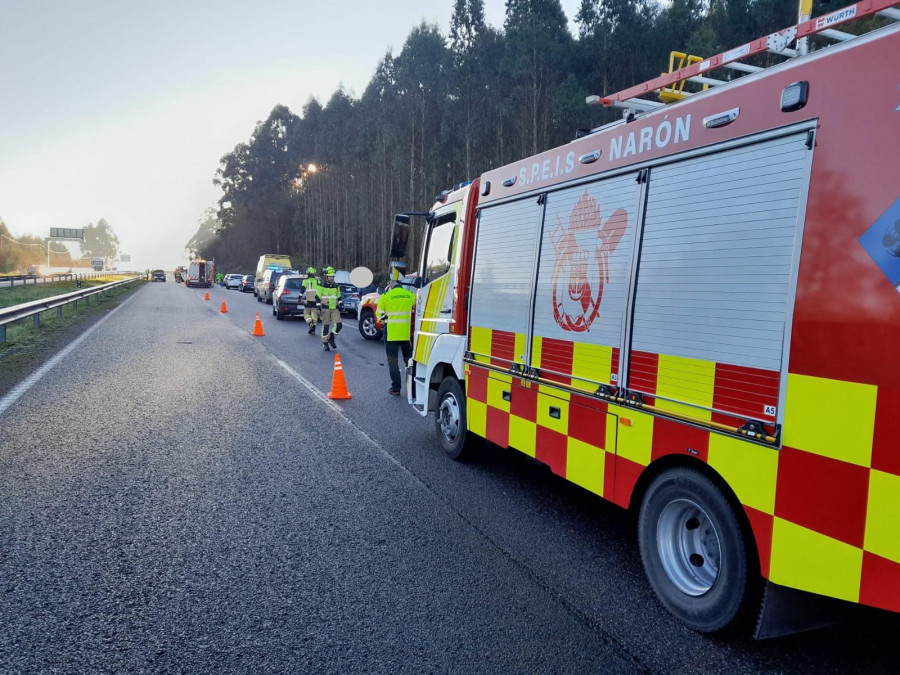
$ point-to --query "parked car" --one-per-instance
(350, 298)
(286, 296)
(158, 275)
(246, 284)
(369, 326)
(232, 281)
(269, 282)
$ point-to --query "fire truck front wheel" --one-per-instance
(693, 550)
(450, 420)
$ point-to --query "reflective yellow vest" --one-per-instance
(395, 307)
(329, 294)
(310, 291)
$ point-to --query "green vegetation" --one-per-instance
(26, 347)
(18, 254)
(322, 185)
(18, 295)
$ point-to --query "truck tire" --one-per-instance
(367, 325)
(693, 550)
(450, 421)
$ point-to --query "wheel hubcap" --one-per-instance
(688, 547)
(449, 416)
(369, 326)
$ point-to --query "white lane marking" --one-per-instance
(312, 388)
(334, 406)
(35, 377)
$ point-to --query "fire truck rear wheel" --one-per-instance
(693, 550)
(450, 420)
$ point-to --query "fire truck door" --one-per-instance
(434, 305)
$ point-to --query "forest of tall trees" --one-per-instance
(323, 185)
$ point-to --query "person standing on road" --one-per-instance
(219, 277)
(331, 306)
(311, 301)
(395, 311)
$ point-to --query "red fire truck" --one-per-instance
(693, 312)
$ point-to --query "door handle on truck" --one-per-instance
(554, 412)
(506, 395)
(446, 311)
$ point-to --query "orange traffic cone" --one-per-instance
(206, 297)
(257, 330)
(338, 384)
(224, 309)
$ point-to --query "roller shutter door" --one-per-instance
(584, 279)
(715, 277)
(502, 277)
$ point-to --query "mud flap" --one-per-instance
(786, 611)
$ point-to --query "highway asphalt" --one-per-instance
(177, 495)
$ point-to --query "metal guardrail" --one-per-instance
(35, 278)
(35, 308)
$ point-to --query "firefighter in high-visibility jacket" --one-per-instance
(311, 300)
(395, 311)
(330, 311)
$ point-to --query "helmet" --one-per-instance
(311, 270)
(329, 271)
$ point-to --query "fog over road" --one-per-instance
(179, 496)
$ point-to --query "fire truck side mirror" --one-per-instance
(400, 236)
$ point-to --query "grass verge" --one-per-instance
(17, 295)
(27, 346)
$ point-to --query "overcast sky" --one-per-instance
(120, 109)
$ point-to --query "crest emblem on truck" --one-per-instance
(581, 269)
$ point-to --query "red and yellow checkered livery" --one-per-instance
(822, 507)
(696, 314)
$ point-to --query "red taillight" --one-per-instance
(285, 293)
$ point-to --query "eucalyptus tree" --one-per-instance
(256, 180)
(330, 184)
(538, 44)
(380, 160)
(465, 122)
(422, 87)
(621, 38)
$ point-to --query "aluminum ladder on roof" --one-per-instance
(671, 84)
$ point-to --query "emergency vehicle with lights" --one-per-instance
(268, 261)
(200, 273)
(693, 312)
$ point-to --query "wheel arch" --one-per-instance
(438, 373)
(673, 461)
(445, 360)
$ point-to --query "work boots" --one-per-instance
(312, 328)
(325, 347)
(331, 342)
